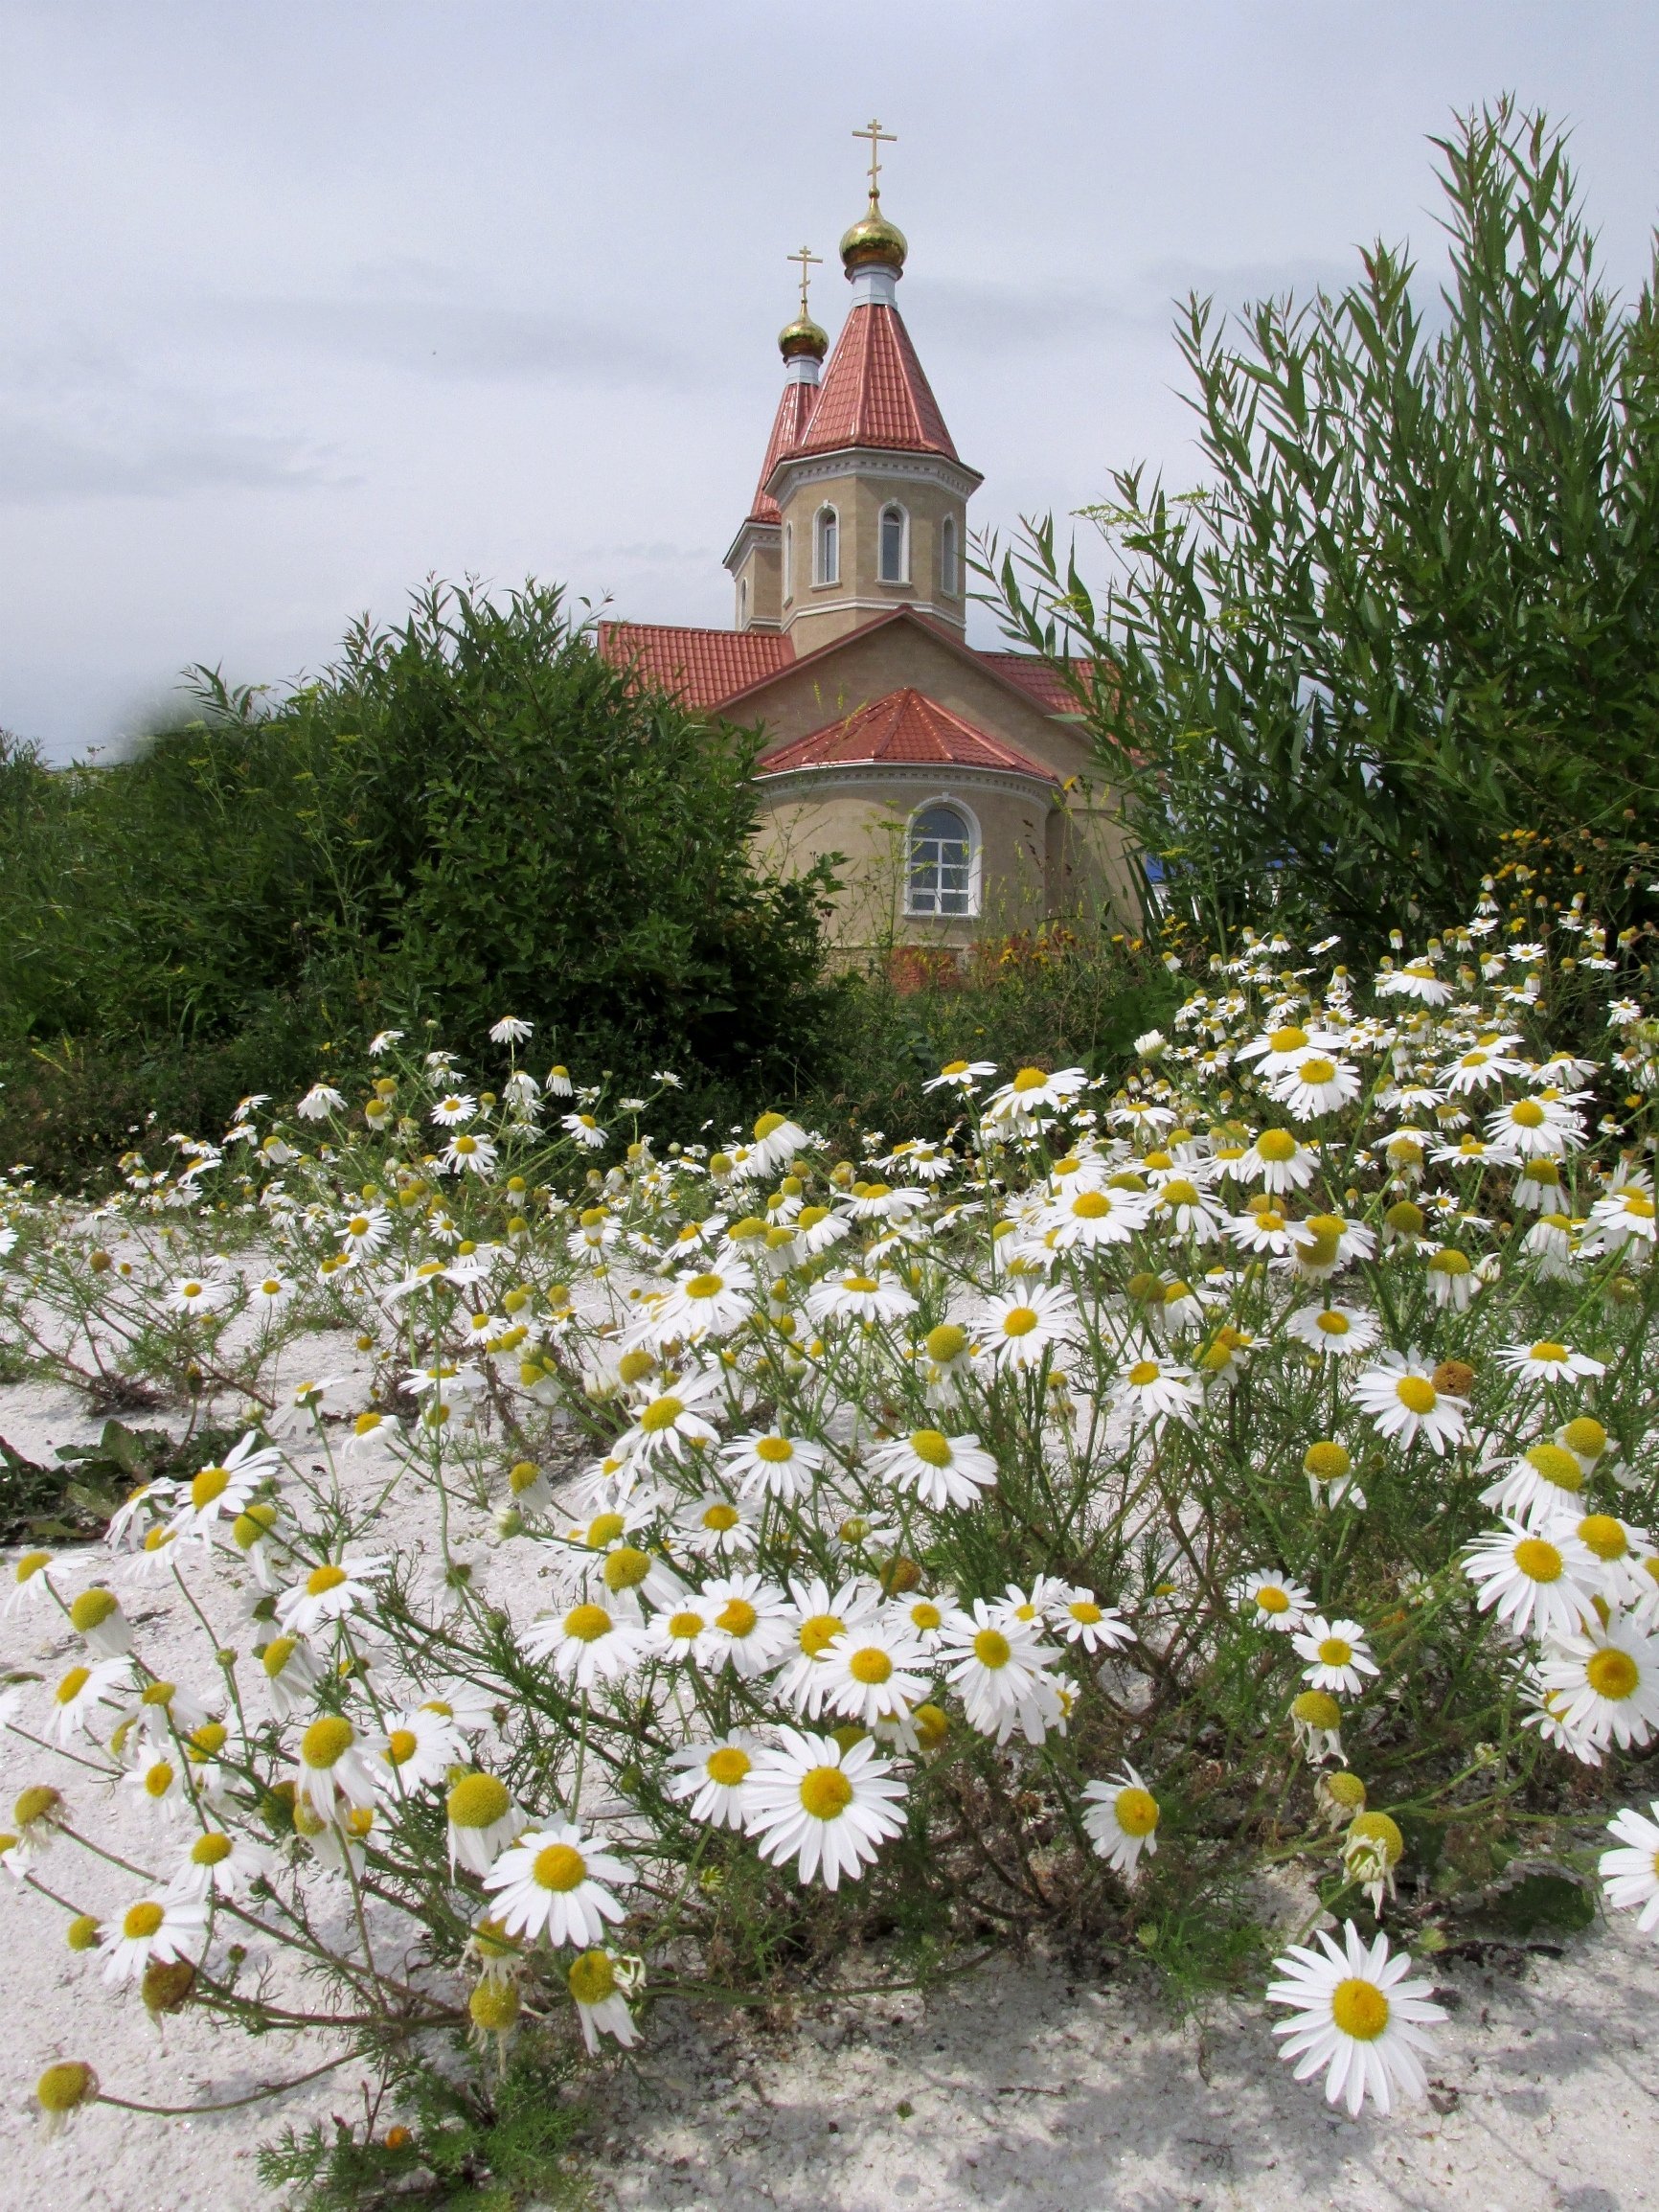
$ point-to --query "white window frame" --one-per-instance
(914, 904)
(949, 558)
(893, 506)
(788, 563)
(824, 571)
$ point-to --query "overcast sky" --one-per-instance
(305, 302)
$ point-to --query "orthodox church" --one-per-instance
(955, 783)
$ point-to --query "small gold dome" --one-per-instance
(803, 336)
(874, 242)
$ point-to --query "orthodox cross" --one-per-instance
(807, 259)
(878, 138)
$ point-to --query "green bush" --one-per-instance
(1411, 604)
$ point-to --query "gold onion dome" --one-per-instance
(803, 336)
(874, 242)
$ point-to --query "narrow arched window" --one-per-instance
(743, 601)
(826, 565)
(939, 874)
(788, 563)
(947, 555)
(893, 563)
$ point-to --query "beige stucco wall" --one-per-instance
(1042, 853)
(813, 614)
(761, 570)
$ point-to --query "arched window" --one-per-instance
(788, 563)
(743, 600)
(947, 555)
(827, 557)
(894, 566)
(940, 873)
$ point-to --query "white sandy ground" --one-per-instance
(1027, 2092)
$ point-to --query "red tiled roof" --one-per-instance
(701, 667)
(902, 730)
(795, 405)
(1045, 684)
(874, 392)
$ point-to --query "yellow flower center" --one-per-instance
(825, 1792)
(1612, 1675)
(728, 1766)
(992, 1649)
(686, 1628)
(626, 1568)
(1272, 1599)
(211, 1850)
(1335, 1651)
(1029, 1078)
(858, 1283)
(819, 1632)
(870, 1666)
(1085, 1611)
(1539, 1561)
(1144, 1372)
(1332, 1324)
(1316, 1709)
(401, 1744)
(1290, 1038)
(1417, 1393)
(704, 1285)
(736, 1617)
(1277, 1145)
(1091, 1205)
(158, 1781)
(592, 1979)
(925, 1615)
(931, 1445)
(1450, 1262)
(1556, 1467)
(321, 1580)
(1137, 1812)
(775, 1450)
(1603, 1535)
(587, 1623)
(1019, 1321)
(141, 1921)
(1317, 1071)
(1584, 1436)
(478, 1801)
(211, 1483)
(1359, 2009)
(660, 1414)
(325, 1742)
(559, 1868)
(1546, 1350)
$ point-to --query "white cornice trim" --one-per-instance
(751, 534)
(795, 469)
(952, 616)
(922, 775)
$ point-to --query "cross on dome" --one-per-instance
(878, 138)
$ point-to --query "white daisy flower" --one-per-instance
(711, 1777)
(196, 1296)
(1152, 1389)
(82, 1692)
(777, 1141)
(1334, 1330)
(589, 1645)
(815, 1616)
(330, 1592)
(673, 1425)
(1415, 980)
(1090, 1221)
(552, 1881)
(467, 1154)
(1547, 1361)
(1279, 1162)
(1356, 2017)
(680, 1633)
(455, 1110)
(1032, 1092)
(292, 1671)
(221, 1865)
(596, 1987)
(510, 1030)
(1630, 1875)
(339, 1769)
(1338, 1655)
(1000, 1670)
(224, 1492)
(750, 1624)
(1273, 1599)
(768, 1464)
(1400, 1396)
(1624, 1556)
(715, 1528)
(1316, 1086)
(1547, 1479)
(161, 1928)
(422, 1746)
(1281, 1051)
(1024, 1325)
(584, 1128)
(960, 1075)
(711, 1302)
(1609, 1683)
(320, 1102)
(1531, 1127)
(816, 1229)
(1077, 1616)
(1122, 1819)
(938, 1468)
(1624, 1217)
(874, 1669)
(1539, 1580)
(858, 1296)
(484, 1821)
(826, 1808)
(1187, 1210)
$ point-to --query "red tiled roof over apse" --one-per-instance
(699, 666)
(905, 729)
